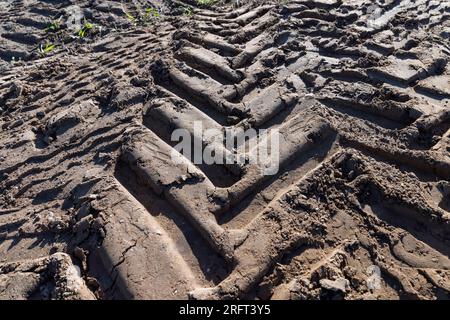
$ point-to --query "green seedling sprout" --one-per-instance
(206, 3)
(151, 11)
(143, 17)
(47, 48)
(130, 17)
(148, 15)
(87, 26)
(188, 11)
(54, 26)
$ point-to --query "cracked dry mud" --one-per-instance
(91, 205)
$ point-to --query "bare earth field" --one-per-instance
(93, 207)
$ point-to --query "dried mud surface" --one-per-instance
(92, 207)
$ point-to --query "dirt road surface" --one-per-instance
(93, 207)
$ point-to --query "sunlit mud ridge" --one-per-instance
(92, 205)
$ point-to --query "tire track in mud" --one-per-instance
(27, 26)
(363, 186)
(215, 76)
(51, 130)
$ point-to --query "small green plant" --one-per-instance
(87, 26)
(149, 12)
(148, 15)
(206, 3)
(188, 11)
(144, 17)
(53, 26)
(47, 48)
(130, 17)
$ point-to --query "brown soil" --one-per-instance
(91, 205)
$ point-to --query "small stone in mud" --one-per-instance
(40, 114)
(338, 285)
